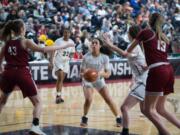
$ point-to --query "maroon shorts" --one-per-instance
(20, 77)
(160, 80)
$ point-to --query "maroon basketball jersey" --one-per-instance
(154, 50)
(15, 54)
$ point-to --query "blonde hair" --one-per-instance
(156, 21)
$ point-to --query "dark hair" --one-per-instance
(104, 49)
(12, 25)
(17, 25)
(66, 29)
(134, 30)
(6, 33)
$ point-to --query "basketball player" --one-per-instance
(160, 78)
(138, 65)
(100, 62)
(61, 62)
(17, 72)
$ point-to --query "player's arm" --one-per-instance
(82, 71)
(139, 38)
(133, 45)
(83, 68)
(109, 44)
(106, 73)
(51, 60)
(72, 51)
(31, 45)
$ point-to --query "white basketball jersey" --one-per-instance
(99, 63)
(136, 61)
(64, 54)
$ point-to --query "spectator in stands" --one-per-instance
(91, 16)
(12, 15)
(22, 15)
(136, 4)
(3, 15)
(176, 19)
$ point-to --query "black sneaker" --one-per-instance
(84, 121)
(125, 131)
(59, 100)
(118, 122)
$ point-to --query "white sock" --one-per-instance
(85, 116)
(58, 93)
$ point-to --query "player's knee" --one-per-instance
(60, 79)
(124, 108)
(142, 109)
(148, 112)
(88, 101)
(161, 110)
(37, 101)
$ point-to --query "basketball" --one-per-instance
(91, 75)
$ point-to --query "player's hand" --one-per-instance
(126, 54)
(144, 67)
(106, 39)
(101, 73)
(83, 72)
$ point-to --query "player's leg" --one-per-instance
(169, 88)
(156, 81)
(128, 103)
(36, 101)
(29, 89)
(108, 99)
(59, 84)
(166, 114)
(88, 94)
(7, 84)
(152, 115)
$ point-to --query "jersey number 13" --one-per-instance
(161, 46)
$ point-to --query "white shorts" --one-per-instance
(63, 65)
(138, 91)
(98, 85)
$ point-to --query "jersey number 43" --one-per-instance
(12, 50)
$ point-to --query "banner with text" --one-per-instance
(119, 69)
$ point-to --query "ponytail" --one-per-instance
(158, 29)
(6, 33)
(156, 24)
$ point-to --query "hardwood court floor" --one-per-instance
(16, 115)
